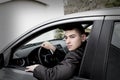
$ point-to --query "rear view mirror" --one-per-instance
(1, 61)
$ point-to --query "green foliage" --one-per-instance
(59, 34)
(113, 3)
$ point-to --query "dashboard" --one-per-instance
(28, 54)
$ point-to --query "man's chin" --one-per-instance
(70, 49)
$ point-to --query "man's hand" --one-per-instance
(31, 68)
(49, 46)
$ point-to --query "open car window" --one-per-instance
(27, 54)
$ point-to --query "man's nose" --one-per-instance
(67, 41)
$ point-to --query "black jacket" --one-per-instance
(65, 70)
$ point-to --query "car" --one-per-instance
(101, 59)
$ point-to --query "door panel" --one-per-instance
(12, 73)
(15, 74)
(113, 67)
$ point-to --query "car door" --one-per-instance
(12, 73)
(113, 59)
(106, 61)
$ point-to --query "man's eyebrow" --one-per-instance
(69, 35)
(72, 34)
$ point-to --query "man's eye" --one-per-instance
(72, 36)
(64, 38)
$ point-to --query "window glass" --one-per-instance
(116, 35)
(44, 37)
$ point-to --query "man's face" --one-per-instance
(73, 39)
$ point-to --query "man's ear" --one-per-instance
(83, 37)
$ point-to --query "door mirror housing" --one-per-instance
(1, 61)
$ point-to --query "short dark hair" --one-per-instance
(71, 26)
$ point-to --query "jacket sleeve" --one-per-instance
(63, 71)
(59, 54)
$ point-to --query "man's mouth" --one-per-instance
(69, 46)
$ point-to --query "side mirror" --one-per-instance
(1, 61)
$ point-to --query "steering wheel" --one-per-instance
(46, 57)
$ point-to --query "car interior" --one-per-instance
(30, 52)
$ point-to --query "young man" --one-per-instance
(75, 40)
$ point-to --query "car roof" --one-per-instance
(115, 11)
(99, 12)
